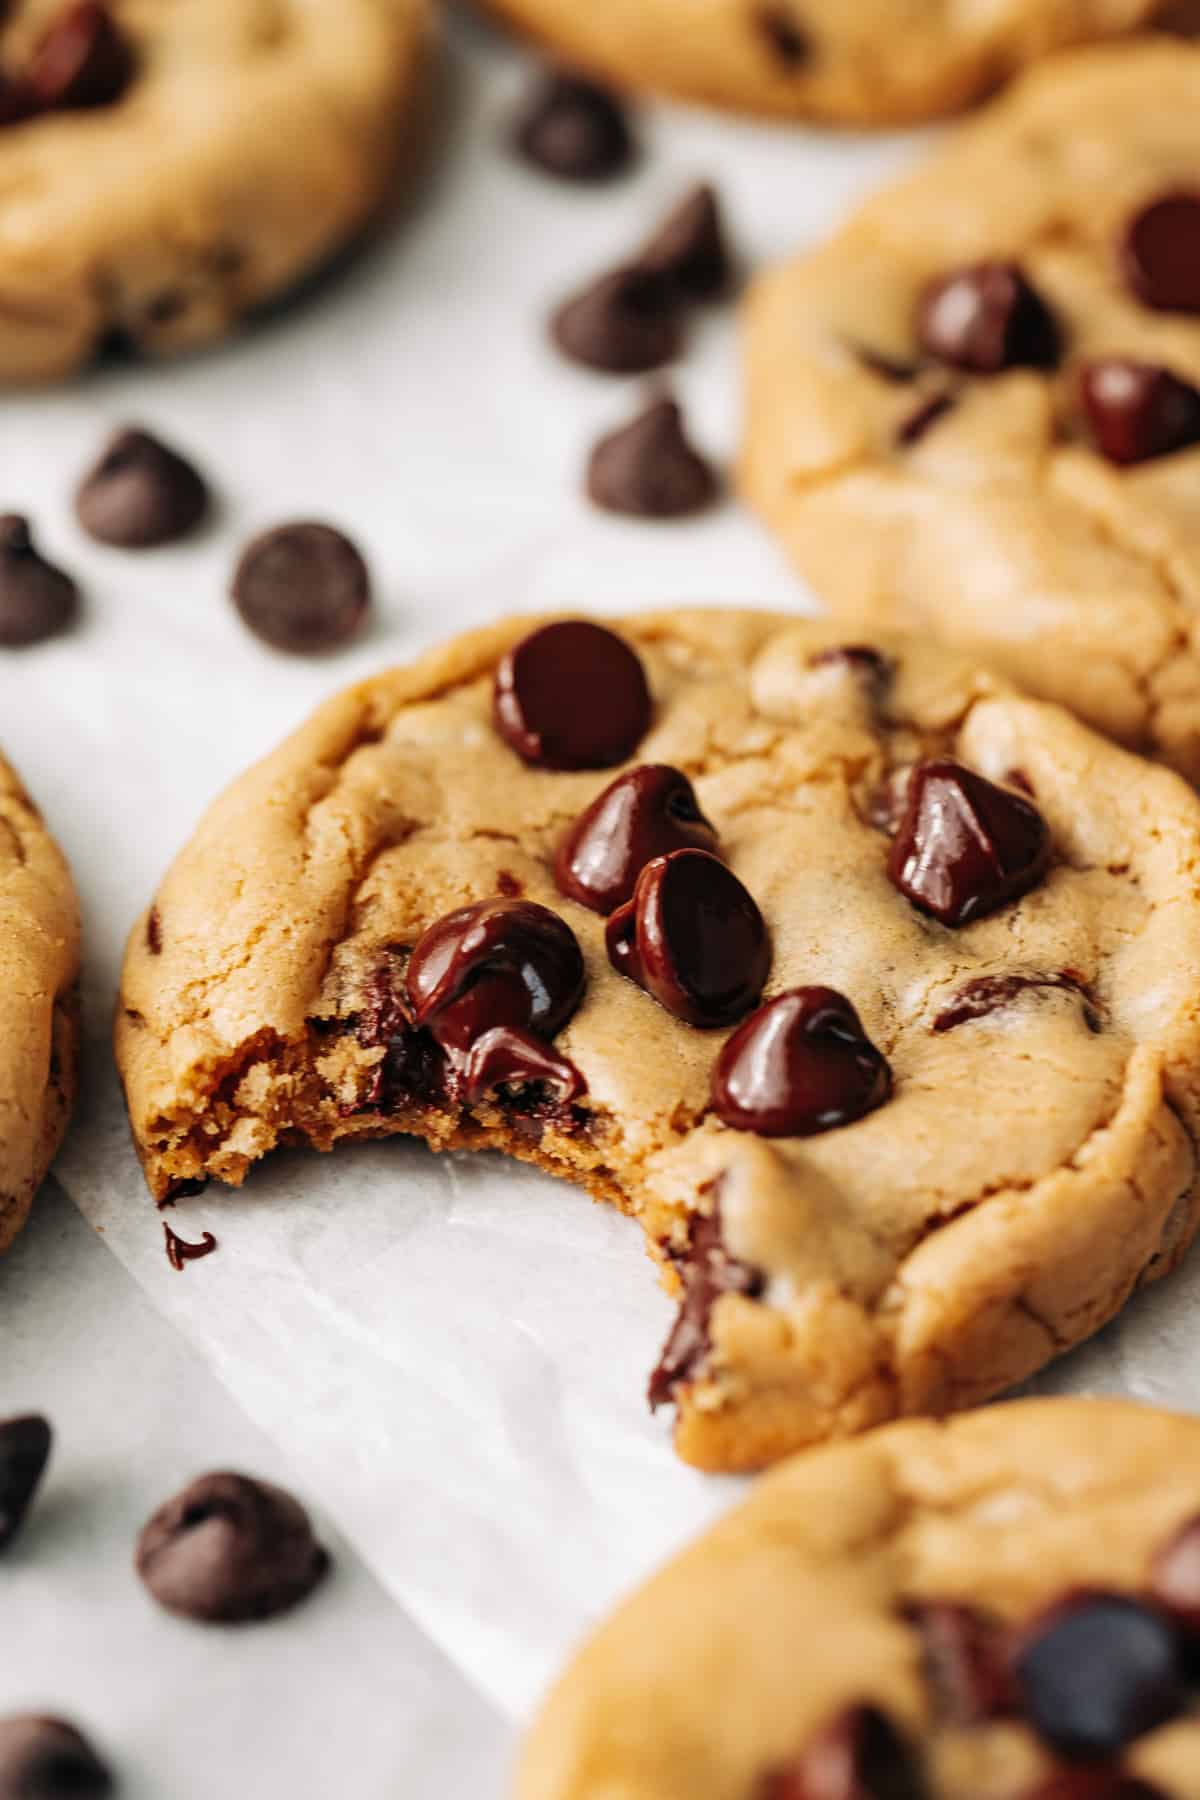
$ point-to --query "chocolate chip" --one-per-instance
(625, 323)
(1175, 1577)
(506, 1056)
(36, 600)
(1138, 410)
(693, 938)
(181, 1252)
(965, 846)
(707, 1271)
(647, 812)
(689, 248)
(987, 318)
(24, 1451)
(649, 469)
(1097, 1671)
(858, 1755)
(574, 129)
(302, 587)
(229, 1549)
(140, 493)
(986, 993)
(154, 932)
(784, 38)
(47, 1759)
(1092, 1781)
(964, 1661)
(572, 695)
(82, 60)
(799, 1065)
(1161, 253)
(911, 430)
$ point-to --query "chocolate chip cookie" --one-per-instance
(39, 1001)
(1004, 1607)
(863, 982)
(977, 410)
(148, 158)
(873, 62)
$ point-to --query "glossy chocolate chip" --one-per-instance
(1175, 1577)
(858, 1755)
(46, 1759)
(83, 59)
(37, 600)
(965, 846)
(689, 249)
(649, 469)
(1161, 253)
(1092, 1781)
(574, 129)
(799, 1065)
(1137, 410)
(922, 420)
(988, 993)
(506, 1056)
(987, 318)
(647, 812)
(229, 1549)
(964, 1661)
(693, 938)
(140, 493)
(706, 1271)
(302, 587)
(1096, 1672)
(625, 323)
(24, 1451)
(572, 695)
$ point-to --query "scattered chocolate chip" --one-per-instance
(572, 695)
(154, 932)
(987, 318)
(799, 1065)
(574, 129)
(689, 249)
(1092, 1781)
(986, 993)
(140, 493)
(649, 469)
(785, 40)
(647, 812)
(1175, 1577)
(963, 1655)
(707, 1271)
(47, 1759)
(858, 1755)
(1138, 410)
(36, 600)
(965, 846)
(82, 60)
(918, 424)
(24, 1451)
(1096, 1671)
(625, 323)
(302, 587)
(179, 1251)
(229, 1549)
(1161, 253)
(693, 938)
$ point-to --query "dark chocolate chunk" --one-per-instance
(625, 323)
(1092, 1781)
(1175, 1577)
(918, 424)
(788, 43)
(706, 1270)
(302, 587)
(965, 846)
(647, 812)
(180, 1251)
(1138, 410)
(572, 695)
(858, 1755)
(140, 493)
(24, 1451)
(1096, 1671)
(1161, 253)
(574, 129)
(987, 318)
(689, 248)
(36, 600)
(83, 59)
(649, 469)
(46, 1759)
(965, 1662)
(799, 1065)
(229, 1549)
(975, 999)
(693, 938)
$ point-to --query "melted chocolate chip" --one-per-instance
(1096, 1672)
(918, 424)
(649, 469)
(689, 248)
(1092, 1781)
(82, 60)
(693, 938)
(975, 999)
(647, 812)
(1137, 410)
(1175, 1577)
(229, 1549)
(985, 319)
(180, 1251)
(572, 695)
(47, 1759)
(507, 1056)
(964, 1659)
(625, 323)
(302, 587)
(574, 129)
(858, 1755)
(1161, 253)
(965, 846)
(799, 1065)
(413, 1070)
(36, 600)
(788, 44)
(140, 493)
(24, 1451)
(707, 1271)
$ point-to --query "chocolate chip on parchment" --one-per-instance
(801, 1064)
(648, 469)
(647, 812)
(83, 59)
(574, 129)
(47, 1759)
(625, 323)
(140, 493)
(180, 1252)
(302, 587)
(36, 600)
(572, 695)
(987, 318)
(228, 1549)
(1136, 410)
(24, 1451)
(1160, 253)
(693, 938)
(689, 249)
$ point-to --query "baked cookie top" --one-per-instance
(974, 410)
(898, 1196)
(1012, 1594)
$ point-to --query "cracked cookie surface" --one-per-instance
(995, 521)
(1033, 1162)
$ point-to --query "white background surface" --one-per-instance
(445, 1358)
